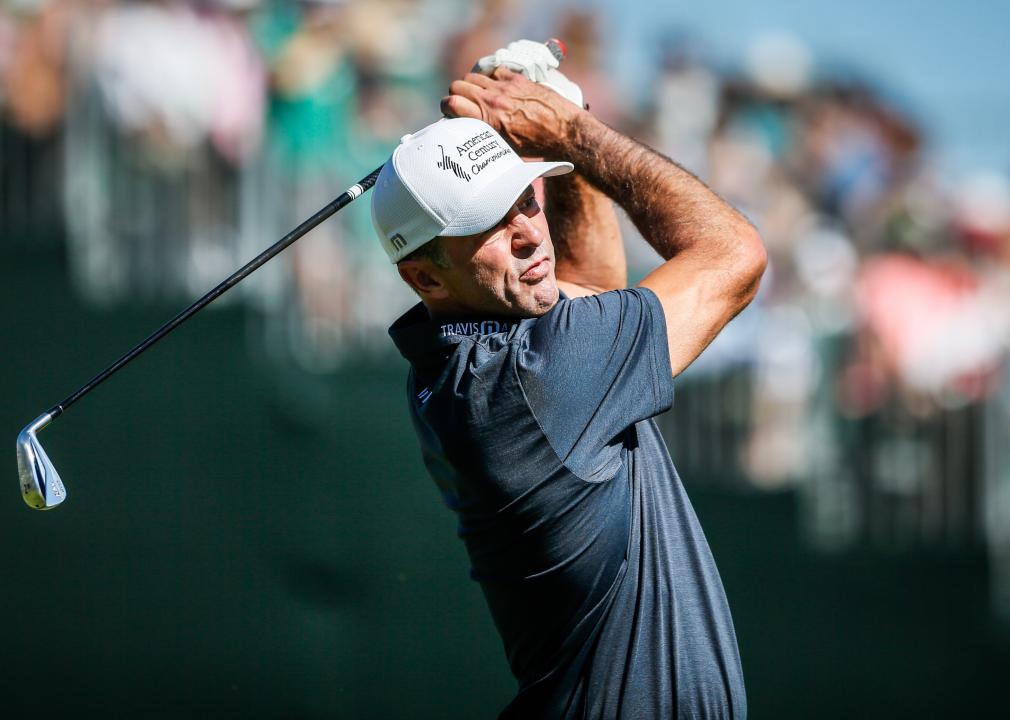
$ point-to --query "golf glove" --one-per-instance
(536, 62)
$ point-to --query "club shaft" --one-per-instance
(234, 279)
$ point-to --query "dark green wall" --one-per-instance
(245, 541)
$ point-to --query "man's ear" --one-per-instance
(423, 278)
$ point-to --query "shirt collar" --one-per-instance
(420, 337)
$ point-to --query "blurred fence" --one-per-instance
(30, 187)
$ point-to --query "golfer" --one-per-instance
(535, 375)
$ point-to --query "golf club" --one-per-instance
(41, 486)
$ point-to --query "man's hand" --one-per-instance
(534, 60)
(538, 122)
(534, 119)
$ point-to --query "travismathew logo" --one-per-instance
(447, 163)
(476, 327)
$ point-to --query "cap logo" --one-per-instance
(398, 242)
(481, 150)
(447, 163)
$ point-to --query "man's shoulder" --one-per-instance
(598, 315)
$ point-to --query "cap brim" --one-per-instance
(490, 204)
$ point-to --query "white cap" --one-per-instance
(454, 177)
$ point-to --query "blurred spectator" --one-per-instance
(312, 82)
(176, 77)
(579, 29)
(33, 67)
(686, 104)
(488, 30)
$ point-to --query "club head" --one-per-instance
(41, 486)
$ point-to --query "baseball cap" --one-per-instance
(454, 177)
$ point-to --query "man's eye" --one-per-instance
(528, 203)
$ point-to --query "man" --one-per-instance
(534, 378)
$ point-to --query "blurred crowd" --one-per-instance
(184, 136)
(871, 371)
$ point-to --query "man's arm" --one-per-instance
(588, 249)
(714, 256)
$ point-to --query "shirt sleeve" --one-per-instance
(591, 368)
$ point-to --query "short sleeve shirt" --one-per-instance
(539, 435)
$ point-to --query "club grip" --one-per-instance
(557, 48)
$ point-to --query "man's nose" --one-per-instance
(526, 233)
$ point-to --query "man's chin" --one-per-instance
(545, 296)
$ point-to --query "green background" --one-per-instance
(244, 540)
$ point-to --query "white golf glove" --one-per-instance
(536, 62)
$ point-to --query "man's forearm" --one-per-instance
(587, 239)
(672, 209)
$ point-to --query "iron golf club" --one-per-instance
(41, 486)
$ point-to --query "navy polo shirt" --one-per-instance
(538, 433)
